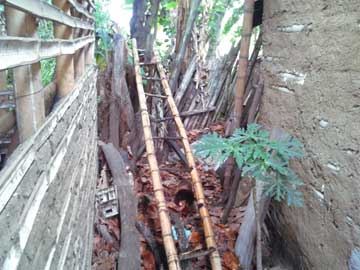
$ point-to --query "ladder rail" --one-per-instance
(169, 244)
(196, 181)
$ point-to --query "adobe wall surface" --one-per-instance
(312, 90)
(47, 188)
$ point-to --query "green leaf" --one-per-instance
(238, 158)
(259, 157)
(171, 5)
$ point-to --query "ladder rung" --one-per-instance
(148, 64)
(167, 138)
(155, 95)
(164, 119)
(195, 254)
(152, 78)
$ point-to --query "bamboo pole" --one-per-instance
(243, 62)
(30, 111)
(171, 253)
(240, 83)
(65, 72)
(199, 192)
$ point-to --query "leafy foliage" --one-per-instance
(218, 11)
(45, 31)
(165, 20)
(234, 18)
(260, 158)
(47, 70)
(103, 33)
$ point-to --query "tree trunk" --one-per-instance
(184, 42)
(137, 23)
(121, 117)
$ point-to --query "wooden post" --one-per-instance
(30, 111)
(198, 188)
(79, 59)
(65, 74)
(89, 54)
(2, 80)
(169, 244)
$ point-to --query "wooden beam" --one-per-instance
(129, 257)
(17, 51)
(187, 114)
(30, 109)
(169, 244)
(44, 10)
(197, 185)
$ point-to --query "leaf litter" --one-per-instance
(173, 175)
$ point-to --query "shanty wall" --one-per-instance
(47, 188)
(312, 89)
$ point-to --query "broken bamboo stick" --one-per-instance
(199, 192)
(169, 244)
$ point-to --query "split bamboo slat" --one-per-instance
(169, 244)
(80, 9)
(18, 51)
(44, 10)
(197, 185)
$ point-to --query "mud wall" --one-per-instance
(312, 90)
(47, 188)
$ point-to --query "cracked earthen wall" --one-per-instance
(312, 90)
(47, 188)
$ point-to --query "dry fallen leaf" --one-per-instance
(148, 260)
(230, 260)
(114, 227)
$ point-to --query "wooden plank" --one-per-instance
(169, 244)
(80, 9)
(44, 10)
(198, 188)
(16, 51)
(129, 257)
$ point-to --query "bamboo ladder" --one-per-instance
(197, 185)
(169, 244)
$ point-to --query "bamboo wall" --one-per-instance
(47, 184)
